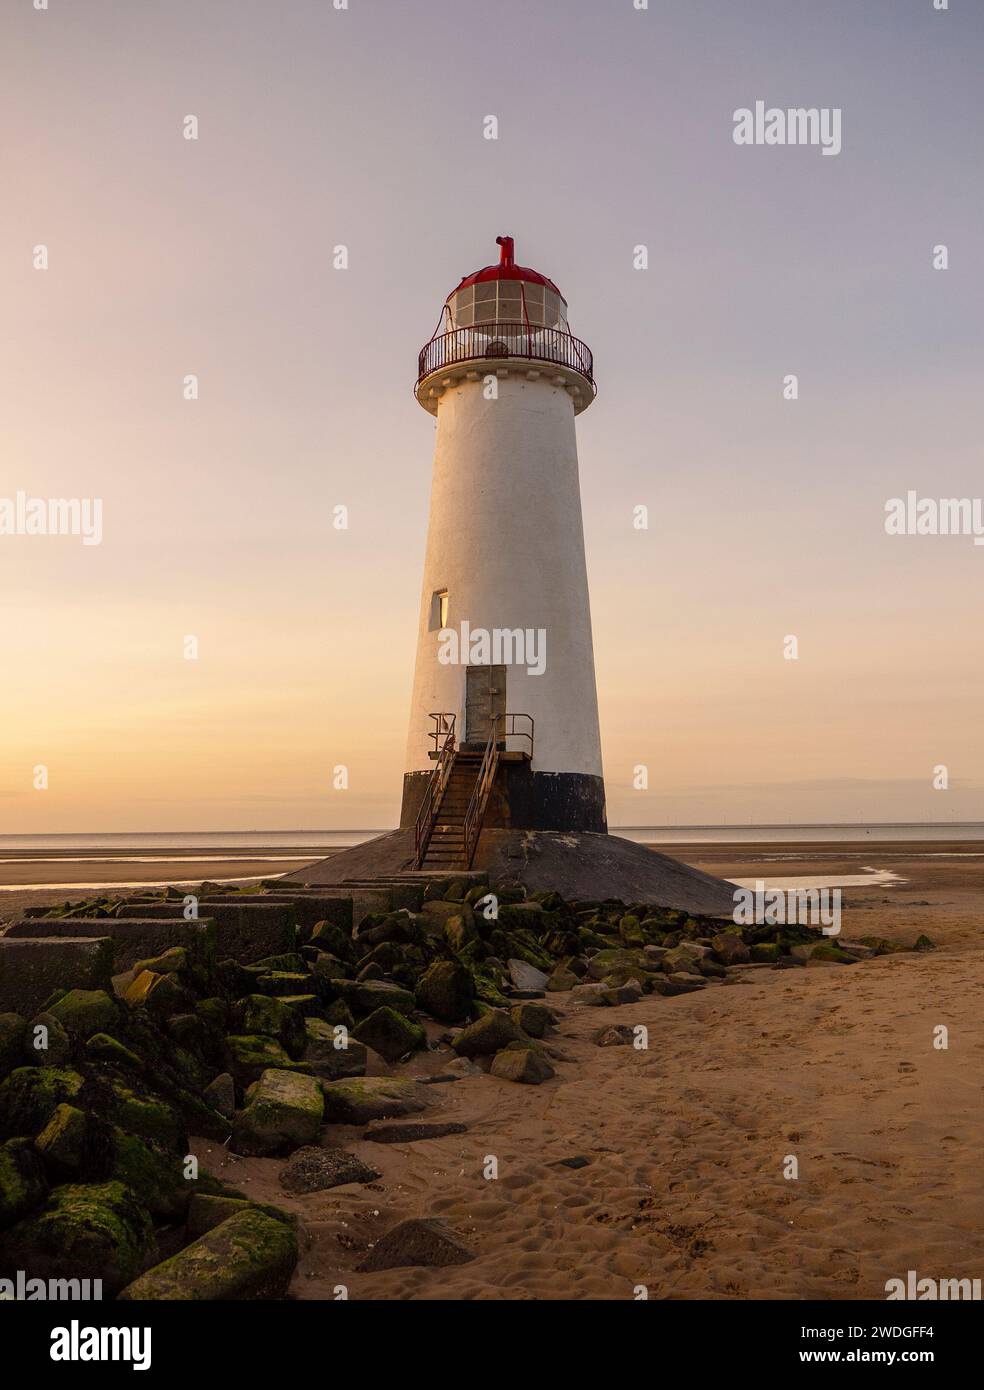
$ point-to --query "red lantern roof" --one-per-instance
(507, 269)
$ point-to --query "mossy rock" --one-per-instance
(487, 1035)
(160, 995)
(174, 961)
(325, 1058)
(338, 1012)
(461, 933)
(148, 1116)
(826, 952)
(30, 1095)
(62, 1142)
(48, 1043)
(364, 996)
(261, 1013)
(446, 991)
(283, 1111)
(23, 1186)
(765, 952)
(532, 1019)
(156, 1176)
(248, 1056)
(13, 1034)
(562, 979)
(390, 1034)
(206, 1211)
(102, 1048)
(248, 1256)
(630, 930)
(330, 937)
(358, 1100)
(85, 1231)
(214, 1013)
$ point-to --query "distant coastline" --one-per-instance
(298, 843)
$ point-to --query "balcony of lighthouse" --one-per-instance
(500, 328)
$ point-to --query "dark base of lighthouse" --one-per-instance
(578, 865)
(525, 800)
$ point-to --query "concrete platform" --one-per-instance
(577, 864)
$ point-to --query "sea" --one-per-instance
(128, 845)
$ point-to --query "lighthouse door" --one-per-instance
(485, 700)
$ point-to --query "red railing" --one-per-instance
(475, 815)
(438, 780)
(490, 340)
(509, 730)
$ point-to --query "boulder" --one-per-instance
(680, 983)
(595, 995)
(411, 1133)
(415, 1242)
(263, 1014)
(729, 949)
(460, 932)
(562, 978)
(525, 976)
(826, 953)
(283, 1111)
(48, 1044)
(366, 995)
(324, 1057)
(532, 1019)
(206, 1211)
(489, 1034)
(680, 960)
(765, 953)
(618, 1035)
(156, 1176)
(150, 1116)
(360, 1099)
(220, 1094)
(160, 995)
(84, 1231)
(446, 991)
(62, 1141)
(102, 1048)
(390, 1034)
(30, 1095)
(314, 1169)
(86, 1011)
(13, 1033)
(23, 1186)
(522, 1064)
(250, 1255)
(246, 1058)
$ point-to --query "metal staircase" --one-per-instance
(453, 809)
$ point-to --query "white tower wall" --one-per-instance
(505, 539)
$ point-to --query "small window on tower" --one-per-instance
(439, 610)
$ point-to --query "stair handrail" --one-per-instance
(475, 815)
(438, 780)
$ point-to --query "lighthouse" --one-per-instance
(503, 776)
(503, 729)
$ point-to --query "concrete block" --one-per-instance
(32, 968)
(133, 938)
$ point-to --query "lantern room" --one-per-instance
(503, 313)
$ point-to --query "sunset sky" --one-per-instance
(365, 128)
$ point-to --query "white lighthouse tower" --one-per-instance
(504, 715)
(503, 770)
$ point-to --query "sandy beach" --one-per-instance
(681, 1148)
(678, 1182)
